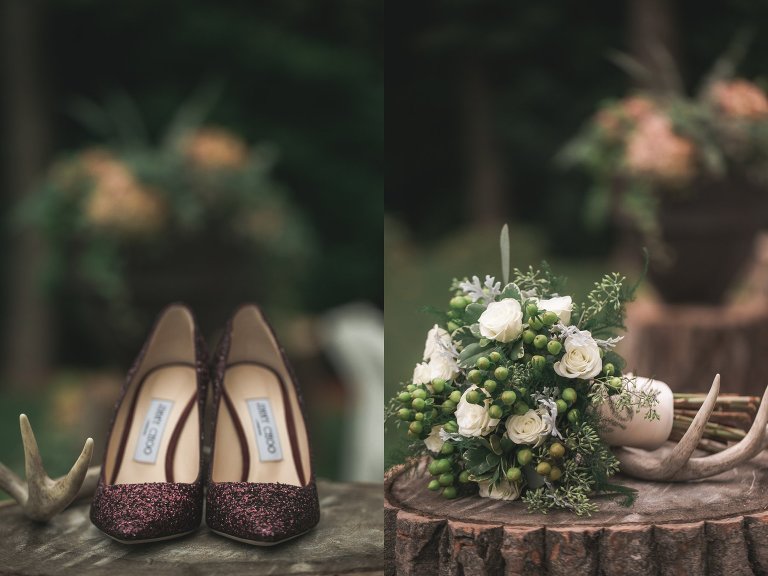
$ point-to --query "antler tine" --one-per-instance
(745, 449)
(40, 497)
(648, 466)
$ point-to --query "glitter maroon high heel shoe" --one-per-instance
(261, 486)
(151, 479)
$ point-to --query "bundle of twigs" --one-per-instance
(729, 422)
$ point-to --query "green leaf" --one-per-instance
(516, 351)
(469, 351)
(511, 290)
(495, 443)
(473, 311)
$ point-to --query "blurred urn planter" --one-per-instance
(709, 240)
(131, 229)
(687, 177)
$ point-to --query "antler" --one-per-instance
(676, 465)
(40, 497)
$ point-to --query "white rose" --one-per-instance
(502, 321)
(581, 358)
(561, 305)
(421, 373)
(437, 340)
(433, 442)
(473, 419)
(442, 366)
(503, 490)
(529, 428)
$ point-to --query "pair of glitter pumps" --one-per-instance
(260, 486)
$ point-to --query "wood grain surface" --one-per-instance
(348, 540)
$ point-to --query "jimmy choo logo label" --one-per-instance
(267, 435)
(151, 435)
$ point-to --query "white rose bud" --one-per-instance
(435, 337)
(530, 428)
(473, 419)
(581, 358)
(502, 490)
(421, 374)
(502, 321)
(442, 366)
(433, 442)
(562, 306)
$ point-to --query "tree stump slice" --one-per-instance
(685, 346)
(348, 540)
(716, 526)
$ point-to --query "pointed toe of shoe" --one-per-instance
(146, 512)
(261, 513)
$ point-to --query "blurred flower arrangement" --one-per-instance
(130, 224)
(662, 144)
(505, 400)
(668, 163)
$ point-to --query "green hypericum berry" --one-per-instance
(473, 397)
(451, 426)
(404, 397)
(494, 356)
(495, 411)
(443, 465)
(404, 414)
(554, 347)
(524, 456)
(458, 302)
(562, 406)
(569, 395)
(555, 474)
(452, 326)
(535, 323)
(450, 492)
(416, 427)
(544, 468)
(475, 376)
(522, 391)
(549, 318)
(508, 397)
(438, 385)
(528, 336)
(447, 448)
(540, 341)
(501, 373)
(514, 474)
(483, 363)
(531, 309)
(615, 382)
(520, 408)
(609, 369)
(410, 387)
(448, 407)
(419, 393)
(432, 468)
(418, 404)
(557, 450)
(419, 416)
(455, 396)
(434, 485)
(464, 477)
(538, 362)
(574, 416)
(490, 385)
(446, 479)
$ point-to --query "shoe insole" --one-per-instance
(252, 437)
(165, 409)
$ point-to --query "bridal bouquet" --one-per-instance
(508, 395)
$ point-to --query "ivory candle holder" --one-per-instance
(630, 427)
